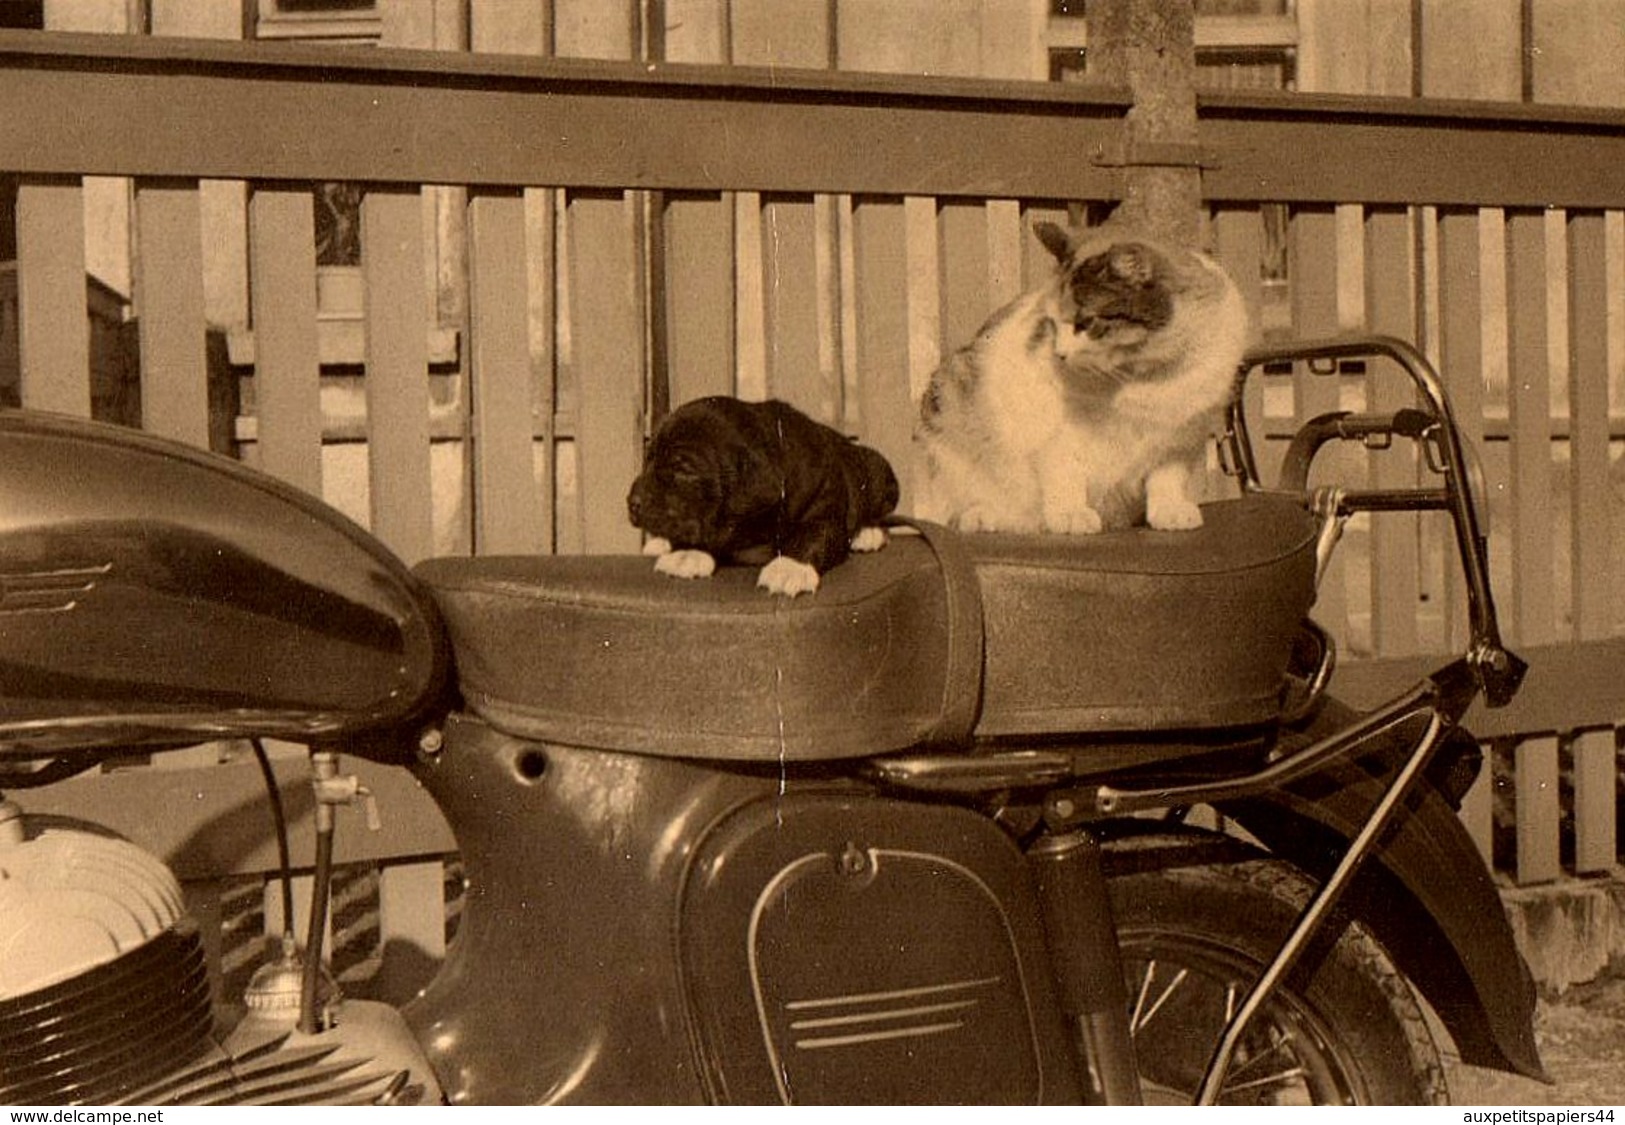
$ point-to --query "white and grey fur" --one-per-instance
(1086, 403)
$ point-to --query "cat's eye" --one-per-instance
(1093, 327)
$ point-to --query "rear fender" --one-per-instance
(1428, 895)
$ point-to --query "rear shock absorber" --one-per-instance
(1088, 967)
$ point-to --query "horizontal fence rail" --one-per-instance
(433, 117)
(552, 252)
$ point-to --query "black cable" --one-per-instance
(309, 1016)
(279, 817)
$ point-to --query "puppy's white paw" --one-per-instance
(869, 539)
(686, 564)
(655, 546)
(1174, 515)
(786, 576)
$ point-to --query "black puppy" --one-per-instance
(747, 481)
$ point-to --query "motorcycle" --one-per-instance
(926, 836)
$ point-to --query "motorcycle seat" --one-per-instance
(937, 638)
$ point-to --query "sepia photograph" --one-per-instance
(812, 552)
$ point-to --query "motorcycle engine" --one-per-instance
(105, 994)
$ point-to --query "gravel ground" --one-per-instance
(1582, 1041)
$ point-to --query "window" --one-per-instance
(349, 22)
(23, 15)
(1240, 44)
(331, 21)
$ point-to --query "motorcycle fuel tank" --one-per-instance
(152, 595)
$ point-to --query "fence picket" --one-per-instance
(790, 308)
(923, 289)
(1590, 498)
(1239, 238)
(1314, 299)
(700, 340)
(1391, 310)
(1005, 237)
(830, 280)
(881, 312)
(1313, 270)
(1529, 406)
(287, 372)
(52, 306)
(750, 298)
(397, 383)
(1461, 366)
(1529, 410)
(169, 302)
(1037, 263)
(546, 353)
(1588, 427)
(508, 511)
(607, 335)
(964, 267)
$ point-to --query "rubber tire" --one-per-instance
(1372, 1029)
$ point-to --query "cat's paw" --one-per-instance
(788, 577)
(686, 564)
(869, 539)
(655, 546)
(1073, 521)
(980, 517)
(1174, 515)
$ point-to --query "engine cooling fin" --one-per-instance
(109, 1030)
(139, 1030)
(274, 1072)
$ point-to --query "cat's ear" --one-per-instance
(1131, 262)
(1055, 239)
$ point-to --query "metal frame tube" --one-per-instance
(1319, 906)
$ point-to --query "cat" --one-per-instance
(754, 482)
(1085, 404)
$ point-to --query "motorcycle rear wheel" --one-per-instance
(1343, 1028)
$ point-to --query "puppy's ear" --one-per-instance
(879, 489)
(1055, 239)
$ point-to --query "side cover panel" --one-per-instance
(890, 954)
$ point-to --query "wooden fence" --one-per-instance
(616, 237)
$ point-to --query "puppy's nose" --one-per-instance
(634, 503)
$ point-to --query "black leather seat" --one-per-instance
(924, 641)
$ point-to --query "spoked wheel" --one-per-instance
(1343, 1028)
